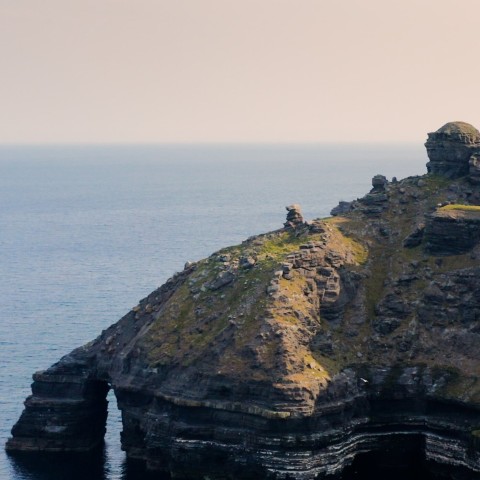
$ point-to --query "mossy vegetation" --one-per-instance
(459, 207)
(243, 330)
(357, 248)
(435, 184)
(459, 128)
(282, 244)
(190, 322)
(198, 323)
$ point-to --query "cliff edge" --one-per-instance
(291, 353)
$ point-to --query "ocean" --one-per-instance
(87, 231)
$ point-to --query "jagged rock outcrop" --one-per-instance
(342, 208)
(294, 216)
(379, 183)
(290, 354)
(375, 202)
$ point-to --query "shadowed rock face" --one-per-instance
(452, 232)
(474, 168)
(450, 148)
(291, 353)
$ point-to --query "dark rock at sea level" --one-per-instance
(290, 354)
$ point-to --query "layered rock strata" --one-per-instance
(452, 230)
(67, 410)
(290, 354)
(450, 149)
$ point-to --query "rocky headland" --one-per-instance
(292, 353)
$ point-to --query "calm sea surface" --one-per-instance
(85, 232)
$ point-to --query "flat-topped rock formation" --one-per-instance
(290, 354)
(452, 230)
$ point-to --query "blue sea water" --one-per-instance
(87, 231)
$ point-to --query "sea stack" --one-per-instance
(450, 148)
(290, 354)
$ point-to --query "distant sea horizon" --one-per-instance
(88, 230)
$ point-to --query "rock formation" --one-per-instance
(452, 230)
(342, 208)
(450, 148)
(376, 201)
(290, 354)
(379, 183)
(294, 216)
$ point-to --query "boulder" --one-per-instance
(379, 182)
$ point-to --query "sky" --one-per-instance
(208, 71)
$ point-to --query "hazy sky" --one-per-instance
(236, 70)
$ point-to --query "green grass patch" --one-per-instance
(283, 243)
(458, 206)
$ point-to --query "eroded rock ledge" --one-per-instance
(293, 352)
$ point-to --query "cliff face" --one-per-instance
(293, 352)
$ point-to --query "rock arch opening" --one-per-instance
(115, 457)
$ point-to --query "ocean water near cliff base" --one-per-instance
(87, 231)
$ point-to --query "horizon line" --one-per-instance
(206, 144)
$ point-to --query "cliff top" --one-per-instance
(459, 130)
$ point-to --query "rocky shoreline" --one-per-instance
(292, 353)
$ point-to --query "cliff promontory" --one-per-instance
(290, 354)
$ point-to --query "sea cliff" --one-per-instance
(290, 354)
